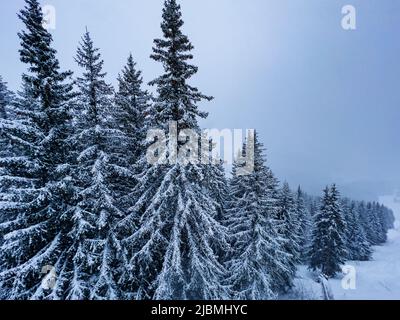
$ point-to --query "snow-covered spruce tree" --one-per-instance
(328, 249)
(37, 172)
(376, 220)
(381, 228)
(289, 227)
(372, 224)
(6, 98)
(362, 211)
(304, 224)
(18, 135)
(173, 51)
(132, 103)
(129, 113)
(385, 221)
(172, 250)
(258, 264)
(387, 218)
(313, 205)
(357, 246)
(215, 180)
(97, 141)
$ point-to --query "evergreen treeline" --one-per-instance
(77, 194)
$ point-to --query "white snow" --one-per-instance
(378, 279)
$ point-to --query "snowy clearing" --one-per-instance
(378, 279)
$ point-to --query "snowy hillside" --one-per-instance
(378, 279)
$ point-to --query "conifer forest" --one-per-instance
(84, 215)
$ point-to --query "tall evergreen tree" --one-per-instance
(373, 224)
(131, 106)
(387, 218)
(172, 250)
(289, 224)
(362, 210)
(18, 166)
(376, 220)
(380, 224)
(258, 264)
(357, 245)
(328, 249)
(304, 224)
(216, 182)
(38, 171)
(6, 97)
(176, 99)
(96, 137)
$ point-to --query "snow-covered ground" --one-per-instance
(378, 279)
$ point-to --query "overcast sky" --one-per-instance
(326, 101)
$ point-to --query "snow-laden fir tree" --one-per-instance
(387, 218)
(372, 224)
(328, 251)
(6, 98)
(380, 223)
(376, 220)
(37, 173)
(215, 180)
(362, 211)
(132, 103)
(357, 246)
(173, 51)
(259, 263)
(129, 114)
(98, 142)
(289, 228)
(172, 250)
(383, 221)
(304, 224)
(313, 205)
(19, 134)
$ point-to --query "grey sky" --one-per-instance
(325, 101)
